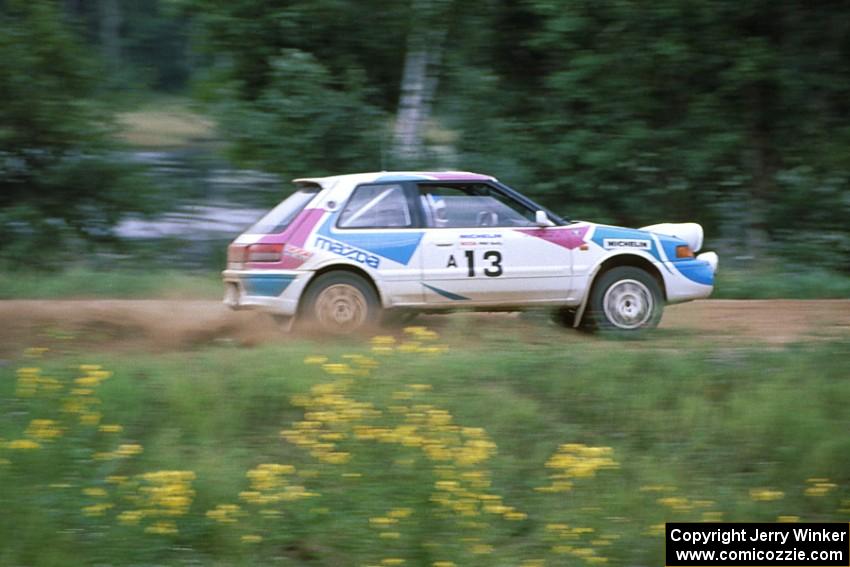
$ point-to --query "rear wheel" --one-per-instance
(625, 300)
(340, 303)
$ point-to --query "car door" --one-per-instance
(481, 246)
(377, 230)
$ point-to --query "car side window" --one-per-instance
(471, 205)
(376, 206)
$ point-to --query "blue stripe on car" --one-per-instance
(446, 294)
(397, 246)
(400, 177)
(270, 285)
(698, 271)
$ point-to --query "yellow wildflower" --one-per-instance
(162, 527)
(675, 502)
(91, 418)
(130, 516)
(765, 494)
(97, 509)
(129, 450)
(23, 444)
(224, 513)
(43, 429)
(819, 487)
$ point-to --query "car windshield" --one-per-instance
(279, 217)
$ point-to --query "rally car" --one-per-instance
(343, 252)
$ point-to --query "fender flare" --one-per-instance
(594, 272)
(334, 264)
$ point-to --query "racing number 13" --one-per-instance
(493, 256)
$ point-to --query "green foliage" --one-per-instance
(46, 86)
(362, 442)
(732, 116)
(57, 179)
(144, 43)
(294, 123)
(632, 113)
(303, 88)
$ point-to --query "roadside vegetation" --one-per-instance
(84, 283)
(413, 452)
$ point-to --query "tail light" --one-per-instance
(265, 252)
(236, 255)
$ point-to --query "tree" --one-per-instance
(303, 87)
(420, 78)
(627, 111)
(56, 178)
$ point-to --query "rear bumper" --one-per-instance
(273, 291)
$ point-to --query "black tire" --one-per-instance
(340, 303)
(624, 300)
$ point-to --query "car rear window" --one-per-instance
(277, 219)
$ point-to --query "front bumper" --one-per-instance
(686, 280)
(277, 291)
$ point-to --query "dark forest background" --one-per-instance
(734, 115)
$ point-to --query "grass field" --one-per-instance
(404, 450)
(119, 284)
(164, 122)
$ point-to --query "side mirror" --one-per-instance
(541, 219)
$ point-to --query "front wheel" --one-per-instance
(340, 303)
(625, 299)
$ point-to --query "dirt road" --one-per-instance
(158, 325)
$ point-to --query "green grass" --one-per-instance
(786, 283)
(119, 284)
(164, 122)
(693, 429)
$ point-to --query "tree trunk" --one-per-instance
(419, 81)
